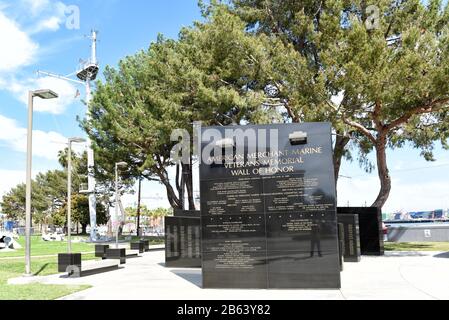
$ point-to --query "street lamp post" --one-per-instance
(43, 94)
(117, 165)
(69, 192)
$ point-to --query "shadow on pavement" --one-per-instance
(193, 276)
(442, 255)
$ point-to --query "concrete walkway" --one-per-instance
(403, 276)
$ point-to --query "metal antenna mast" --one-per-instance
(87, 72)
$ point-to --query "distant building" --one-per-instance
(419, 215)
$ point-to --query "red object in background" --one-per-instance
(384, 228)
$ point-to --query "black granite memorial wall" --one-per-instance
(268, 216)
(350, 237)
(187, 213)
(370, 227)
(341, 244)
(182, 242)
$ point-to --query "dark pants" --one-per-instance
(316, 242)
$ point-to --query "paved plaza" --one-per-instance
(405, 275)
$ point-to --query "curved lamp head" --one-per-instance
(45, 94)
(77, 140)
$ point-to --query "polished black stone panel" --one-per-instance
(182, 242)
(68, 259)
(233, 196)
(341, 244)
(299, 249)
(216, 230)
(300, 270)
(351, 236)
(234, 251)
(186, 213)
(100, 250)
(239, 265)
(312, 232)
(268, 217)
(146, 245)
(370, 227)
(118, 254)
(138, 246)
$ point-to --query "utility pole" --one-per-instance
(86, 73)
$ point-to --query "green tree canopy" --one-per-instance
(80, 212)
(215, 73)
(379, 72)
(49, 197)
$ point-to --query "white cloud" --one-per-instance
(419, 196)
(424, 196)
(18, 50)
(51, 15)
(64, 89)
(356, 190)
(36, 6)
(9, 179)
(50, 24)
(45, 144)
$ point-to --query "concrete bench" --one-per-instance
(91, 267)
(146, 245)
(130, 253)
(116, 254)
(100, 250)
(140, 246)
(121, 254)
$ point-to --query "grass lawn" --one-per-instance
(417, 246)
(40, 247)
(12, 268)
(39, 267)
(12, 265)
(153, 240)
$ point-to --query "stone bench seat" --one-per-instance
(132, 253)
(87, 268)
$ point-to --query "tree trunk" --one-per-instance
(182, 187)
(139, 197)
(383, 172)
(339, 150)
(83, 228)
(189, 184)
(174, 201)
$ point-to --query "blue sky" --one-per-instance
(34, 36)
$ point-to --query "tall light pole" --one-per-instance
(117, 166)
(43, 94)
(69, 192)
